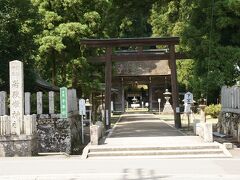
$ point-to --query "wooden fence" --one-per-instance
(230, 99)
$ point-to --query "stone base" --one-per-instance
(167, 109)
(23, 145)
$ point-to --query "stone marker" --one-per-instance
(94, 134)
(51, 102)
(16, 96)
(207, 132)
(195, 122)
(39, 103)
(27, 103)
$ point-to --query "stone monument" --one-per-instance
(16, 96)
(17, 137)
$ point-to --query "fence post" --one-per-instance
(39, 103)
(27, 103)
(51, 102)
(3, 103)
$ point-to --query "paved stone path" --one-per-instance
(146, 130)
(143, 125)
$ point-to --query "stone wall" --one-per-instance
(58, 135)
(229, 124)
(18, 145)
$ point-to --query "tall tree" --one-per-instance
(209, 31)
(65, 23)
(18, 24)
(129, 18)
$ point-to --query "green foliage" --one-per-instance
(213, 110)
(129, 18)
(209, 35)
(64, 24)
(18, 25)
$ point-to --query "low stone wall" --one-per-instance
(24, 144)
(58, 135)
(229, 124)
(14, 145)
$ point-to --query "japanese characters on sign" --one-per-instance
(63, 102)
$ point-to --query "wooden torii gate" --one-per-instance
(140, 55)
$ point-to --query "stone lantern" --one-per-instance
(167, 106)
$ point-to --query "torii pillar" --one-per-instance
(174, 83)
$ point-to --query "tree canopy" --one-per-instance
(209, 33)
(45, 35)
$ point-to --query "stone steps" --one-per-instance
(186, 151)
(141, 148)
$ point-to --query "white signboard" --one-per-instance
(188, 98)
(159, 100)
(82, 107)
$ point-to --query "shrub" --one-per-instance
(213, 110)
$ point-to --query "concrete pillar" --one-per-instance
(3, 103)
(51, 102)
(94, 135)
(39, 103)
(195, 122)
(27, 103)
(208, 136)
(16, 96)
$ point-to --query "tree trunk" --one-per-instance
(53, 68)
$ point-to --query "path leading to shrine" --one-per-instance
(142, 125)
(146, 136)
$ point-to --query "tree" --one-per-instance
(64, 24)
(128, 19)
(18, 24)
(209, 32)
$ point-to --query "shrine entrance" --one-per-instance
(144, 54)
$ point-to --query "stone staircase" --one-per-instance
(206, 150)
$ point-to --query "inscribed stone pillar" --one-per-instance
(27, 103)
(16, 96)
(39, 103)
(3, 100)
(51, 102)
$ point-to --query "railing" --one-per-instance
(33, 110)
